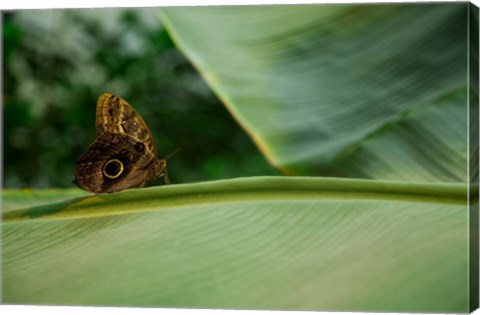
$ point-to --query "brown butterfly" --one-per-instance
(123, 154)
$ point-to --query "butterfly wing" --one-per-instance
(113, 163)
(115, 115)
(123, 155)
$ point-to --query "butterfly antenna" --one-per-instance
(175, 151)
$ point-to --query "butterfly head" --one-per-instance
(161, 167)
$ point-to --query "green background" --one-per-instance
(58, 62)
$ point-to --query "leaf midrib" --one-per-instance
(240, 190)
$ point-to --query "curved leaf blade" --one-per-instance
(310, 92)
(263, 243)
(16, 199)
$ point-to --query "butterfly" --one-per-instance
(123, 154)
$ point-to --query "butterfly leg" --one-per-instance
(165, 177)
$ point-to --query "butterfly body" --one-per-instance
(123, 155)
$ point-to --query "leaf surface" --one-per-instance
(256, 243)
(369, 91)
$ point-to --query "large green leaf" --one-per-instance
(256, 243)
(374, 91)
(22, 198)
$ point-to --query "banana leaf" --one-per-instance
(370, 91)
(257, 243)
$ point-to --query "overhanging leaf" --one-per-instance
(273, 242)
(344, 90)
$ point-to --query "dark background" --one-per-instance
(57, 63)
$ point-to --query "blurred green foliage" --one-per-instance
(57, 63)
